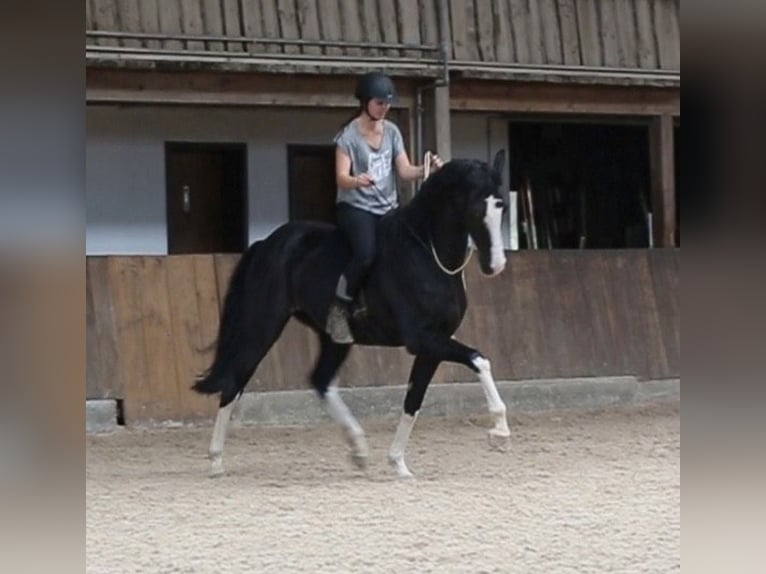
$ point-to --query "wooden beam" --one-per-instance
(662, 159)
(507, 97)
(437, 133)
(105, 86)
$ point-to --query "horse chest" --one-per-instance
(445, 303)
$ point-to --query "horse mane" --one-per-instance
(456, 176)
(449, 183)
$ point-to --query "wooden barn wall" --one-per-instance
(151, 322)
(609, 33)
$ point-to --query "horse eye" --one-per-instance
(500, 204)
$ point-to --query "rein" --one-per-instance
(469, 253)
(469, 248)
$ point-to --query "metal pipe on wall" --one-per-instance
(419, 151)
(444, 38)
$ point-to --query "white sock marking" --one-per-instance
(399, 445)
(340, 413)
(219, 437)
(495, 404)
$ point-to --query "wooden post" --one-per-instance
(407, 120)
(436, 122)
(442, 123)
(662, 159)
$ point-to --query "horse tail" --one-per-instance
(222, 377)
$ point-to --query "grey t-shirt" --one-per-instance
(382, 196)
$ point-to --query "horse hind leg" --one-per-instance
(250, 354)
(423, 370)
(323, 379)
(215, 452)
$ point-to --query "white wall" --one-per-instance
(125, 164)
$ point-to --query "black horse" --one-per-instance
(414, 295)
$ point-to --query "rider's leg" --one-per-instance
(359, 227)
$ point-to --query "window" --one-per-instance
(581, 184)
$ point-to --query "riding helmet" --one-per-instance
(375, 85)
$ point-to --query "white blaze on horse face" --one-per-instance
(493, 218)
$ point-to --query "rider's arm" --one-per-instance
(408, 172)
(343, 177)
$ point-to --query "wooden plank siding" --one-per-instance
(150, 21)
(428, 17)
(191, 23)
(329, 23)
(503, 28)
(251, 22)
(151, 322)
(640, 34)
(212, 23)
(389, 26)
(485, 31)
(409, 25)
(170, 23)
(271, 27)
(590, 32)
(351, 25)
(570, 34)
(308, 24)
(130, 19)
(232, 24)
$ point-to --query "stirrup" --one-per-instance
(337, 324)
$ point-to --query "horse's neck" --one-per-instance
(443, 230)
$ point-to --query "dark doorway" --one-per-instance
(206, 191)
(581, 184)
(312, 188)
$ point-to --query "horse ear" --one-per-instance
(499, 162)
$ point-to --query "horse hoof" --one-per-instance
(499, 440)
(216, 469)
(359, 460)
(402, 472)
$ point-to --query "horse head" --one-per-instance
(474, 187)
(484, 214)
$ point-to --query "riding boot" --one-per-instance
(337, 322)
(359, 307)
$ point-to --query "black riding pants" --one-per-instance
(359, 227)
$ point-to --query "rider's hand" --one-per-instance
(364, 180)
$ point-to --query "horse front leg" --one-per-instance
(422, 372)
(499, 434)
(454, 351)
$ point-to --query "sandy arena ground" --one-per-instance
(580, 493)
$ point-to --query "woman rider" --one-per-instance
(369, 154)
